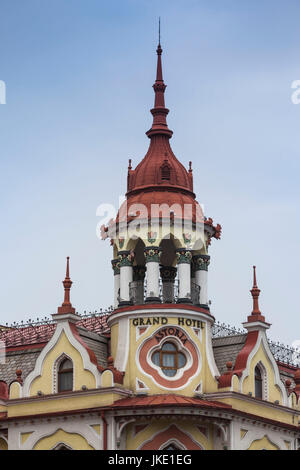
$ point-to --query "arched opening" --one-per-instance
(62, 447)
(165, 172)
(258, 383)
(65, 376)
(3, 444)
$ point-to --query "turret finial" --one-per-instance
(67, 283)
(159, 111)
(159, 31)
(255, 291)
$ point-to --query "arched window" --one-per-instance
(165, 172)
(258, 381)
(169, 359)
(65, 376)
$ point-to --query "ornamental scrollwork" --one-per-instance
(152, 254)
(184, 256)
(126, 258)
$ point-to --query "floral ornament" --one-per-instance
(187, 238)
(152, 237)
(116, 266)
(201, 262)
(209, 221)
(152, 254)
(218, 231)
(184, 256)
(121, 242)
(126, 258)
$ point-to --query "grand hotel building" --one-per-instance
(156, 371)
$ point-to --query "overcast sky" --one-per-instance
(79, 77)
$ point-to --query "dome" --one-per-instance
(160, 168)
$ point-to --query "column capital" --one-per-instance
(168, 273)
(184, 256)
(201, 262)
(152, 254)
(115, 263)
(125, 258)
(139, 273)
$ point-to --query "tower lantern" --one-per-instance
(160, 229)
(160, 261)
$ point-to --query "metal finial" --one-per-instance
(159, 31)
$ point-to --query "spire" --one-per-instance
(67, 283)
(159, 111)
(150, 173)
(255, 291)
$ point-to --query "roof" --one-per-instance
(95, 342)
(24, 360)
(227, 348)
(167, 400)
(40, 333)
(24, 344)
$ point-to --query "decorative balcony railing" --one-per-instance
(40, 330)
(281, 352)
(168, 292)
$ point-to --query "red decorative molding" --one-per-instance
(241, 360)
(146, 366)
(171, 433)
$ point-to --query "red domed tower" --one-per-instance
(160, 240)
(160, 231)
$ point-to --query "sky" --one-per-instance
(79, 77)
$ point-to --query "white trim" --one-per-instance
(60, 396)
(60, 444)
(209, 352)
(139, 389)
(171, 441)
(123, 345)
(181, 348)
(166, 312)
(247, 398)
(55, 368)
(256, 434)
(37, 371)
(177, 376)
(74, 425)
(200, 389)
(165, 429)
(265, 378)
(137, 331)
(262, 340)
(4, 438)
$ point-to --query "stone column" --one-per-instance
(126, 275)
(184, 258)
(152, 256)
(201, 263)
(116, 268)
(168, 275)
(138, 284)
